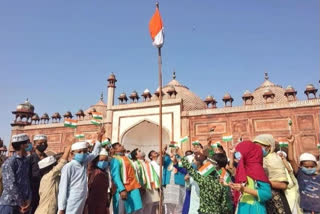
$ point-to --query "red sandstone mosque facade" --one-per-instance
(135, 123)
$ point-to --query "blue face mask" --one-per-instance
(237, 155)
(80, 157)
(310, 171)
(29, 147)
(194, 166)
(102, 164)
(265, 153)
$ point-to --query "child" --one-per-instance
(308, 179)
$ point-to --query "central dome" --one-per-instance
(190, 101)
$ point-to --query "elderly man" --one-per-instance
(73, 184)
(40, 144)
(16, 195)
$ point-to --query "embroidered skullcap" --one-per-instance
(19, 138)
(79, 145)
(46, 162)
(40, 137)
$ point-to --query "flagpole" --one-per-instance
(160, 122)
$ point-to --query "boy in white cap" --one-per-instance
(49, 184)
(73, 185)
(308, 179)
(16, 195)
(40, 144)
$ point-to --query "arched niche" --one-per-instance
(144, 135)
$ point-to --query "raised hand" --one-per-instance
(291, 139)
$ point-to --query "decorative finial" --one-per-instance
(101, 96)
(27, 99)
(266, 76)
(174, 75)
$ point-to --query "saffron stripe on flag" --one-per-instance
(97, 115)
(206, 169)
(70, 123)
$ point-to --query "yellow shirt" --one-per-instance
(48, 190)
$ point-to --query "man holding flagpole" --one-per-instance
(156, 32)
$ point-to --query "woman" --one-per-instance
(276, 173)
(251, 180)
(292, 192)
(98, 185)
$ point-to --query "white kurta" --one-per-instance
(74, 184)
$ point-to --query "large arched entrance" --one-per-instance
(144, 135)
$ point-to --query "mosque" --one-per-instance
(134, 120)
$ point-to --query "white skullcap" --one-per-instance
(103, 152)
(79, 145)
(307, 157)
(283, 153)
(46, 162)
(40, 137)
(19, 138)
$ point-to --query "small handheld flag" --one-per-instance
(79, 136)
(97, 115)
(95, 122)
(227, 138)
(185, 139)
(206, 169)
(106, 142)
(71, 123)
(283, 144)
(156, 29)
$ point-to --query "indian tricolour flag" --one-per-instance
(225, 176)
(79, 136)
(318, 145)
(216, 144)
(71, 123)
(156, 29)
(106, 142)
(95, 122)
(185, 139)
(227, 138)
(206, 169)
(283, 144)
(97, 115)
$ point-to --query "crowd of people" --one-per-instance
(103, 178)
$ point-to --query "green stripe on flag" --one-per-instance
(79, 136)
(95, 122)
(70, 125)
(185, 139)
(97, 117)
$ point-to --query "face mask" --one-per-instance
(194, 166)
(41, 147)
(237, 155)
(309, 171)
(29, 147)
(102, 164)
(80, 157)
(265, 153)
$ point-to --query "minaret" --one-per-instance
(110, 101)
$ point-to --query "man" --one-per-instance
(40, 144)
(16, 196)
(73, 184)
(127, 198)
(173, 182)
(154, 156)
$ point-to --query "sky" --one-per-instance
(59, 53)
